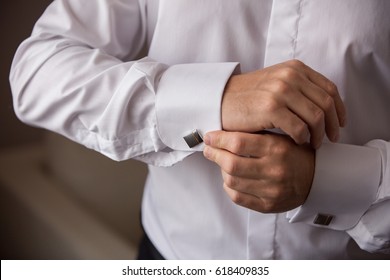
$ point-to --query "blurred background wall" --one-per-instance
(58, 200)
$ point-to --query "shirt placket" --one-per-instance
(280, 46)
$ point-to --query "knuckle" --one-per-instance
(295, 63)
(275, 199)
(288, 73)
(301, 132)
(331, 88)
(278, 193)
(328, 103)
(230, 181)
(236, 144)
(280, 149)
(267, 206)
(237, 198)
(280, 86)
(319, 117)
(231, 166)
(278, 173)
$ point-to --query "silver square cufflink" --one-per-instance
(323, 219)
(193, 139)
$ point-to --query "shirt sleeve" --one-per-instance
(351, 192)
(77, 75)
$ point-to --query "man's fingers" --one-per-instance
(305, 118)
(276, 179)
(232, 164)
(239, 143)
(294, 126)
(253, 202)
(330, 88)
(290, 96)
(316, 108)
(327, 105)
(245, 185)
(244, 199)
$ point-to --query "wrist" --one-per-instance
(234, 112)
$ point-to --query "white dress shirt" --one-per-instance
(81, 74)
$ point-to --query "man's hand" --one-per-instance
(264, 172)
(290, 96)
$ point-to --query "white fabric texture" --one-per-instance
(82, 74)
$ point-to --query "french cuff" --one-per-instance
(188, 103)
(345, 184)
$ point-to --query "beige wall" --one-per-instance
(16, 20)
(58, 200)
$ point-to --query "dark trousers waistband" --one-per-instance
(147, 251)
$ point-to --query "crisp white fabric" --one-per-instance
(79, 74)
(333, 165)
(194, 80)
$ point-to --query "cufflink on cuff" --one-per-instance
(193, 139)
(323, 219)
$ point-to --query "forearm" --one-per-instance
(78, 82)
(121, 109)
(71, 77)
(84, 94)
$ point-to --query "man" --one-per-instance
(240, 74)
